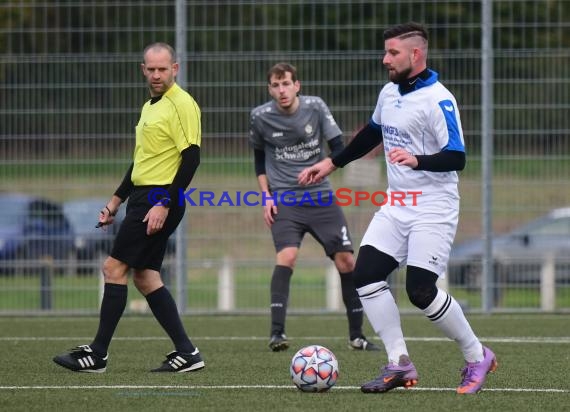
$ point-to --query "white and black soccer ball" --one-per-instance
(314, 368)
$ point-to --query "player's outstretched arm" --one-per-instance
(317, 172)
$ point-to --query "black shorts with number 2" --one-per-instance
(326, 224)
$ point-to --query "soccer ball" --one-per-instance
(314, 368)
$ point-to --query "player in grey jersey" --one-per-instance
(288, 134)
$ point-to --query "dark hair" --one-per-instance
(161, 45)
(280, 69)
(405, 30)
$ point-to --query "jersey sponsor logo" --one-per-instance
(301, 151)
(394, 137)
(387, 129)
(277, 134)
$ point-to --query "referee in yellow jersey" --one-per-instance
(166, 156)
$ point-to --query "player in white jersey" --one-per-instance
(417, 120)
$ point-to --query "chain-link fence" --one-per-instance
(71, 91)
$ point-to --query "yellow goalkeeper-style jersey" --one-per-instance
(166, 127)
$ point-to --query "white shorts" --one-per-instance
(412, 238)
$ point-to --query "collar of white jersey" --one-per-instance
(423, 79)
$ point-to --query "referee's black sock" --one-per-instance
(279, 297)
(164, 310)
(354, 311)
(112, 308)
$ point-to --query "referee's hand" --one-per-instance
(105, 217)
(155, 219)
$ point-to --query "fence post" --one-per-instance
(333, 288)
(101, 287)
(226, 286)
(547, 283)
(46, 277)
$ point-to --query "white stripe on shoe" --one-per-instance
(178, 362)
(86, 362)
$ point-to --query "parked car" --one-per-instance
(32, 229)
(91, 243)
(518, 256)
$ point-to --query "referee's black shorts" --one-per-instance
(132, 245)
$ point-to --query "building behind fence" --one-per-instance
(71, 91)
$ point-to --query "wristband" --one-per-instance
(110, 213)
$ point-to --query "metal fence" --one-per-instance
(71, 91)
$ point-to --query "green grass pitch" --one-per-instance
(241, 373)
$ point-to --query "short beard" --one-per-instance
(401, 76)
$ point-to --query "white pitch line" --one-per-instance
(520, 339)
(229, 387)
(475, 316)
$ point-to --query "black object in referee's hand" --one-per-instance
(100, 224)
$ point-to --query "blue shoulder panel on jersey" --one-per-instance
(454, 142)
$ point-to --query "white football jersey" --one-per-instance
(424, 121)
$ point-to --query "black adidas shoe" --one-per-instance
(181, 362)
(82, 359)
(278, 342)
(362, 343)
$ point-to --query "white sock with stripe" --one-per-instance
(447, 315)
(383, 314)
